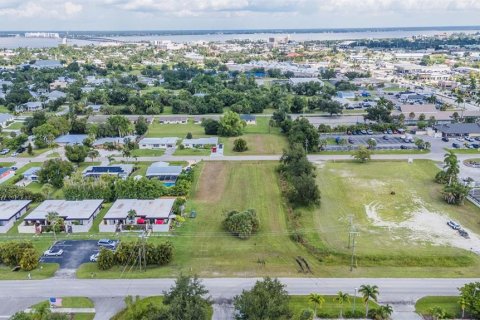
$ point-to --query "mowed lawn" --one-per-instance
(203, 247)
(347, 187)
(157, 130)
(450, 304)
(261, 139)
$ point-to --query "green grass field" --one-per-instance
(330, 309)
(192, 152)
(157, 130)
(148, 152)
(44, 271)
(75, 302)
(464, 151)
(36, 152)
(15, 126)
(261, 139)
(448, 303)
(54, 155)
(203, 247)
(4, 109)
(383, 246)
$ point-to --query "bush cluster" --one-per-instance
(12, 192)
(19, 253)
(127, 253)
(242, 224)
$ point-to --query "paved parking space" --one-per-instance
(75, 252)
(392, 143)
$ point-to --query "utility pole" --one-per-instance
(353, 260)
(350, 232)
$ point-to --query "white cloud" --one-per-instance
(40, 9)
(72, 8)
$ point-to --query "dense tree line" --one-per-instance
(12, 192)
(19, 253)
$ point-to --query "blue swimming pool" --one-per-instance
(169, 184)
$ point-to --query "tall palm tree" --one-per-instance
(368, 292)
(92, 154)
(451, 166)
(317, 300)
(341, 299)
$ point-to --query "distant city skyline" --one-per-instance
(233, 14)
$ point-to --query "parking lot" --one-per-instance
(75, 253)
(394, 142)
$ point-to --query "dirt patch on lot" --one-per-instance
(212, 182)
(425, 226)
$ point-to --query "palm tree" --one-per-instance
(382, 312)
(451, 165)
(368, 292)
(317, 300)
(463, 305)
(92, 154)
(459, 99)
(46, 190)
(341, 299)
(53, 218)
(110, 158)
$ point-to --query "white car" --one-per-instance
(53, 252)
(94, 257)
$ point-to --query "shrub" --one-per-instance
(189, 135)
(29, 260)
(240, 145)
(307, 314)
(12, 252)
(242, 224)
(106, 259)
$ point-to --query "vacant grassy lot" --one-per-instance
(448, 303)
(156, 130)
(203, 247)
(147, 152)
(387, 202)
(330, 309)
(192, 152)
(47, 271)
(261, 139)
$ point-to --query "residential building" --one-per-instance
(346, 94)
(248, 118)
(71, 139)
(173, 120)
(164, 172)
(200, 142)
(120, 170)
(77, 215)
(10, 212)
(46, 64)
(149, 215)
(158, 143)
(31, 174)
(295, 81)
(5, 119)
(115, 141)
(29, 107)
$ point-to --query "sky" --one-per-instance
(233, 14)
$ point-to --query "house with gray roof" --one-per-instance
(71, 139)
(158, 143)
(31, 174)
(164, 172)
(459, 129)
(31, 106)
(200, 142)
(11, 211)
(46, 64)
(119, 170)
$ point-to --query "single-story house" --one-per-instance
(46, 64)
(173, 120)
(56, 95)
(5, 118)
(11, 211)
(71, 139)
(346, 94)
(30, 107)
(167, 174)
(295, 81)
(31, 174)
(77, 215)
(249, 118)
(158, 143)
(459, 129)
(116, 141)
(99, 118)
(120, 170)
(150, 215)
(95, 107)
(200, 142)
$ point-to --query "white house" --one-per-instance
(29, 107)
(11, 211)
(31, 174)
(77, 215)
(173, 120)
(158, 143)
(200, 142)
(150, 215)
(5, 118)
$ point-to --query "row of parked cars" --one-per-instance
(456, 226)
(16, 153)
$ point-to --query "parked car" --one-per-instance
(364, 131)
(389, 131)
(107, 243)
(464, 233)
(445, 139)
(455, 145)
(21, 150)
(403, 147)
(469, 139)
(350, 140)
(475, 145)
(94, 257)
(385, 137)
(4, 151)
(53, 252)
(369, 131)
(453, 225)
(14, 154)
(14, 168)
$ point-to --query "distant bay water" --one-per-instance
(9, 42)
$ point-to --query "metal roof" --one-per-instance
(70, 210)
(71, 138)
(160, 171)
(155, 208)
(459, 128)
(8, 209)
